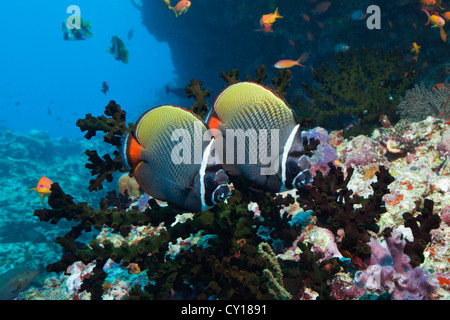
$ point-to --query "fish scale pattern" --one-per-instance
(242, 107)
(155, 132)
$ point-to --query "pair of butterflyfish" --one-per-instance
(196, 186)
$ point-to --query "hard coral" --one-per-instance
(129, 185)
(114, 129)
(361, 85)
(336, 207)
(324, 152)
(444, 145)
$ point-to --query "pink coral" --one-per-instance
(389, 269)
(363, 151)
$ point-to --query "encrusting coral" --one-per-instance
(389, 270)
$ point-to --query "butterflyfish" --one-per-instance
(250, 112)
(172, 158)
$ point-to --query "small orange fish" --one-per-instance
(446, 15)
(292, 43)
(414, 25)
(270, 17)
(390, 24)
(43, 187)
(416, 50)
(434, 19)
(310, 36)
(428, 2)
(321, 25)
(437, 22)
(181, 7)
(287, 63)
(306, 17)
(321, 7)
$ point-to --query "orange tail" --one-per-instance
(428, 15)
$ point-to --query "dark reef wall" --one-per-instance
(216, 36)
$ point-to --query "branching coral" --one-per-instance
(274, 275)
(280, 83)
(114, 128)
(194, 89)
(336, 207)
(361, 85)
(421, 102)
(421, 226)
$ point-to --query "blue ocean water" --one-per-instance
(47, 83)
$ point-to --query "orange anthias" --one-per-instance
(181, 7)
(270, 18)
(437, 22)
(446, 15)
(43, 187)
(434, 19)
(287, 63)
(428, 2)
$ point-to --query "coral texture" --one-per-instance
(421, 102)
(389, 269)
(361, 85)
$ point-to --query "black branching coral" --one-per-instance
(114, 128)
(337, 207)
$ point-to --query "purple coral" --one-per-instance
(389, 269)
(324, 153)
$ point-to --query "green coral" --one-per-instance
(357, 88)
(274, 274)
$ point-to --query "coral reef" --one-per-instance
(361, 85)
(306, 244)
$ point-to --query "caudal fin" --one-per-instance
(428, 15)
